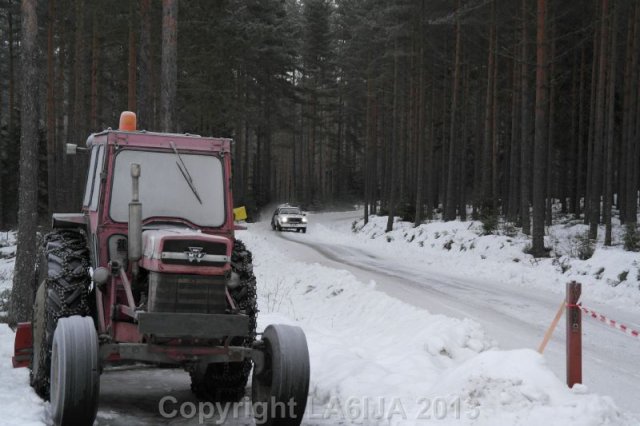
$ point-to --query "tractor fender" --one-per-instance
(22, 345)
(68, 221)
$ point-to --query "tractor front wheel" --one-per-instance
(75, 376)
(281, 383)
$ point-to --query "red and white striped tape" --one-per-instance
(613, 323)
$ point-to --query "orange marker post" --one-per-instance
(574, 334)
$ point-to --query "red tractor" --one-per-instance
(151, 272)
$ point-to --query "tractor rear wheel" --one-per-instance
(281, 384)
(227, 381)
(63, 273)
(75, 376)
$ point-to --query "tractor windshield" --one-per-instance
(164, 191)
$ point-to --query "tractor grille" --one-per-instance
(204, 294)
(184, 246)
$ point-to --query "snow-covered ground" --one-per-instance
(497, 292)
(7, 258)
(378, 357)
(367, 345)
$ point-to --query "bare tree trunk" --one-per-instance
(494, 132)
(367, 155)
(450, 204)
(51, 128)
(95, 55)
(3, 159)
(420, 129)
(78, 118)
(313, 151)
(238, 151)
(596, 178)
(627, 95)
(24, 273)
(441, 192)
(525, 129)
(487, 157)
(541, 127)
(420, 142)
(514, 149)
(169, 71)
(430, 178)
(551, 134)
(131, 87)
(592, 117)
(610, 131)
(570, 184)
(394, 135)
(631, 164)
(374, 176)
(62, 107)
(636, 156)
(12, 91)
(478, 152)
(580, 150)
(145, 109)
(462, 192)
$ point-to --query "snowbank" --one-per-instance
(517, 388)
(19, 404)
(610, 276)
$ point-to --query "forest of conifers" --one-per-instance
(422, 109)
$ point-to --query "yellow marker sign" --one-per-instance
(240, 213)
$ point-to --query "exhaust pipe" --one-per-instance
(135, 220)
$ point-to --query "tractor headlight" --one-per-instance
(284, 220)
(304, 220)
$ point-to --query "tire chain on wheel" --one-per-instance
(227, 381)
(66, 295)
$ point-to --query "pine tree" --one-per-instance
(169, 71)
(24, 273)
(541, 128)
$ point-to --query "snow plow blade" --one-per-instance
(22, 346)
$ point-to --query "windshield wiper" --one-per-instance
(185, 172)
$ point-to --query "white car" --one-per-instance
(289, 217)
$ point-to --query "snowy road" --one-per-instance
(515, 316)
(140, 396)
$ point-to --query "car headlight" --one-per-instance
(284, 220)
(304, 220)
